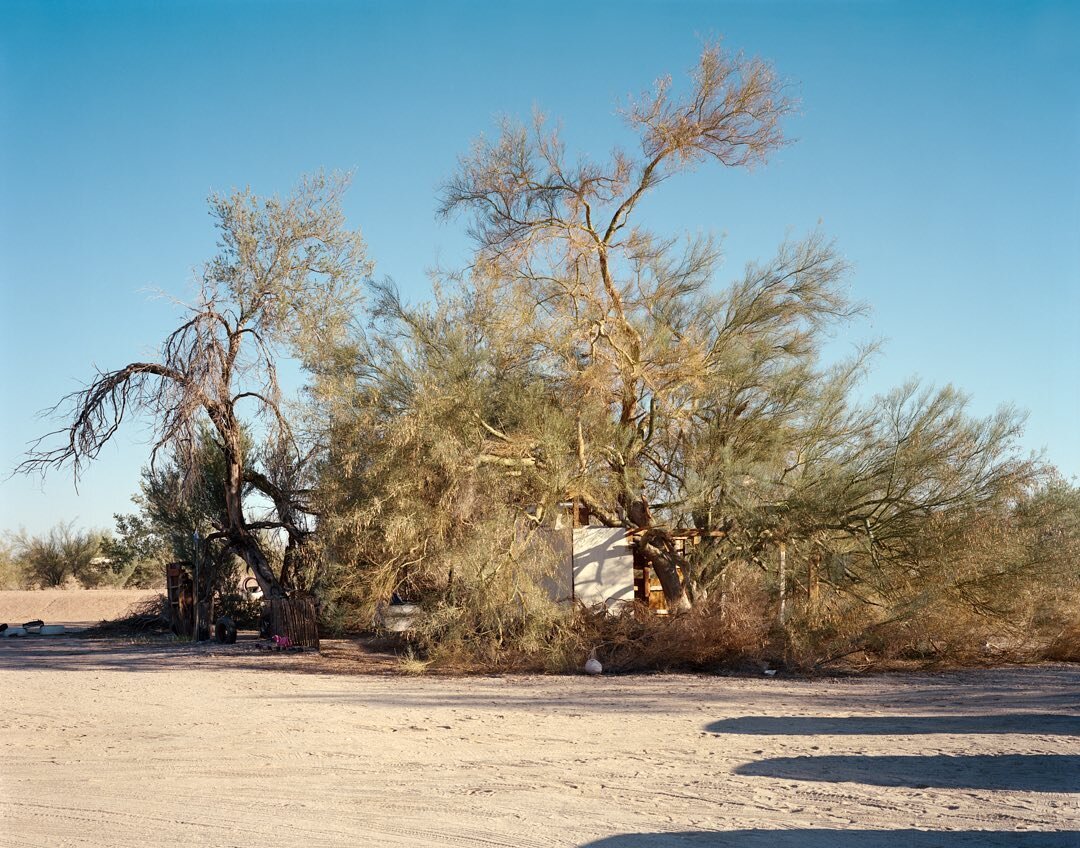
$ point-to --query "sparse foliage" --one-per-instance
(585, 357)
(62, 554)
(285, 280)
(11, 572)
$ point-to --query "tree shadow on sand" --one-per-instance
(1020, 772)
(899, 725)
(804, 838)
(79, 652)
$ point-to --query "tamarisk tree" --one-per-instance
(285, 280)
(622, 318)
(584, 356)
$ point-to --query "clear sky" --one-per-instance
(938, 143)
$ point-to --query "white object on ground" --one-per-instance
(14, 631)
(398, 618)
(592, 666)
(51, 629)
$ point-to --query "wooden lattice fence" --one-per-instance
(295, 619)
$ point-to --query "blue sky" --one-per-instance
(939, 144)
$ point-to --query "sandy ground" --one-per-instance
(72, 607)
(112, 743)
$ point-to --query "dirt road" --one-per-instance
(111, 744)
(72, 607)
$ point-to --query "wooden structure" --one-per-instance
(647, 588)
(601, 567)
(181, 597)
(646, 585)
(295, 619)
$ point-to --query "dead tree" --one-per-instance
(285, 280)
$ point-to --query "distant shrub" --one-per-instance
(11, 570)
(59, 556)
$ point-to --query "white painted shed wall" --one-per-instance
(603, 567)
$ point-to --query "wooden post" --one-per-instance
(196, 595)
(783, 582)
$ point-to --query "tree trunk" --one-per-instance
(248, 549)
(783, 582)
(240, 537)
(296, 565)
(667, 570)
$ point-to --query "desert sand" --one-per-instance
(114, 743)
(70, 607)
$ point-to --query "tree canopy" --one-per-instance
(286, 279)
(583, 356)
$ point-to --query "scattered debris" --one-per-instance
(144, 618)
(279, 643)
(37, 627)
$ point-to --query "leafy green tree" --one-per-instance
(136, 551)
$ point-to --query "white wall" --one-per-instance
(603, 566)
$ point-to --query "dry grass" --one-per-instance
(733, 631)
(740, 630)
(1065, 647)
(412, 664)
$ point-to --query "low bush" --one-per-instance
(12, 575)
(244, 612)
